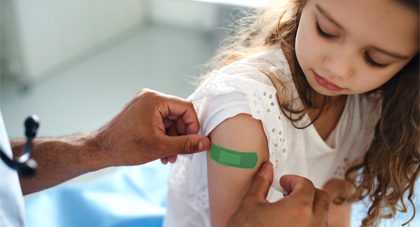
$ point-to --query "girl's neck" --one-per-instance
(329, 117)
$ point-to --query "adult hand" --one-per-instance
(305, 206)
(151, 126)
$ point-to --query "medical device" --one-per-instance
(25, 166)
(243, 160)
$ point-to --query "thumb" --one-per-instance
(298, 185)
(186, 144)
(261, 183)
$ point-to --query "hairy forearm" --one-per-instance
(59, 159)
(136, 135)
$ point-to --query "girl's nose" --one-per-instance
(339, 64)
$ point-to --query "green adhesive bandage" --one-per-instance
(243, 160)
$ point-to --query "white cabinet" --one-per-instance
(42, 35)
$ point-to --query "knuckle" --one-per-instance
(143, 91)
(148, 93)
(327, 205)
(189, 104)
(307, 183)
(188, 148)
(258, 178)
(307, 188)
(327, 202)
(143, 95)
(325, 198)
(324, 195)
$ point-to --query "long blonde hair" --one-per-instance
(391, 165)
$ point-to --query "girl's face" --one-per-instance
(355, 46)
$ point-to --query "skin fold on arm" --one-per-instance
(228, 185)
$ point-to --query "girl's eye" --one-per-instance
(322, 33)
(371, 62)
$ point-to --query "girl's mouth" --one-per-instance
(325, 83)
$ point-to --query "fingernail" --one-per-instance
(204, 145)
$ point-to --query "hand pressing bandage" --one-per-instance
(243, 160)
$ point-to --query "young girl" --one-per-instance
(325, 89)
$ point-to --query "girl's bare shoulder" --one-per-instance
(242, 133)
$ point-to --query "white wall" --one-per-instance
(43, 34)
(189, 14)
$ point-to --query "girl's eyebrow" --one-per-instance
(327, 15)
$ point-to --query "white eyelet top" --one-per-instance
(241, 88)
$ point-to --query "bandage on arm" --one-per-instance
(243, 160)
(227, 184)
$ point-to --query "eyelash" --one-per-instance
(366, 56)
(322, 33)
(371, 62)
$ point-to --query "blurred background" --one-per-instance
(76, 63)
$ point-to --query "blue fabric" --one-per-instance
(129, 196)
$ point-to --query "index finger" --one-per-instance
(183, 109)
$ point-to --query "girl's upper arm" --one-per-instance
(228, 185)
